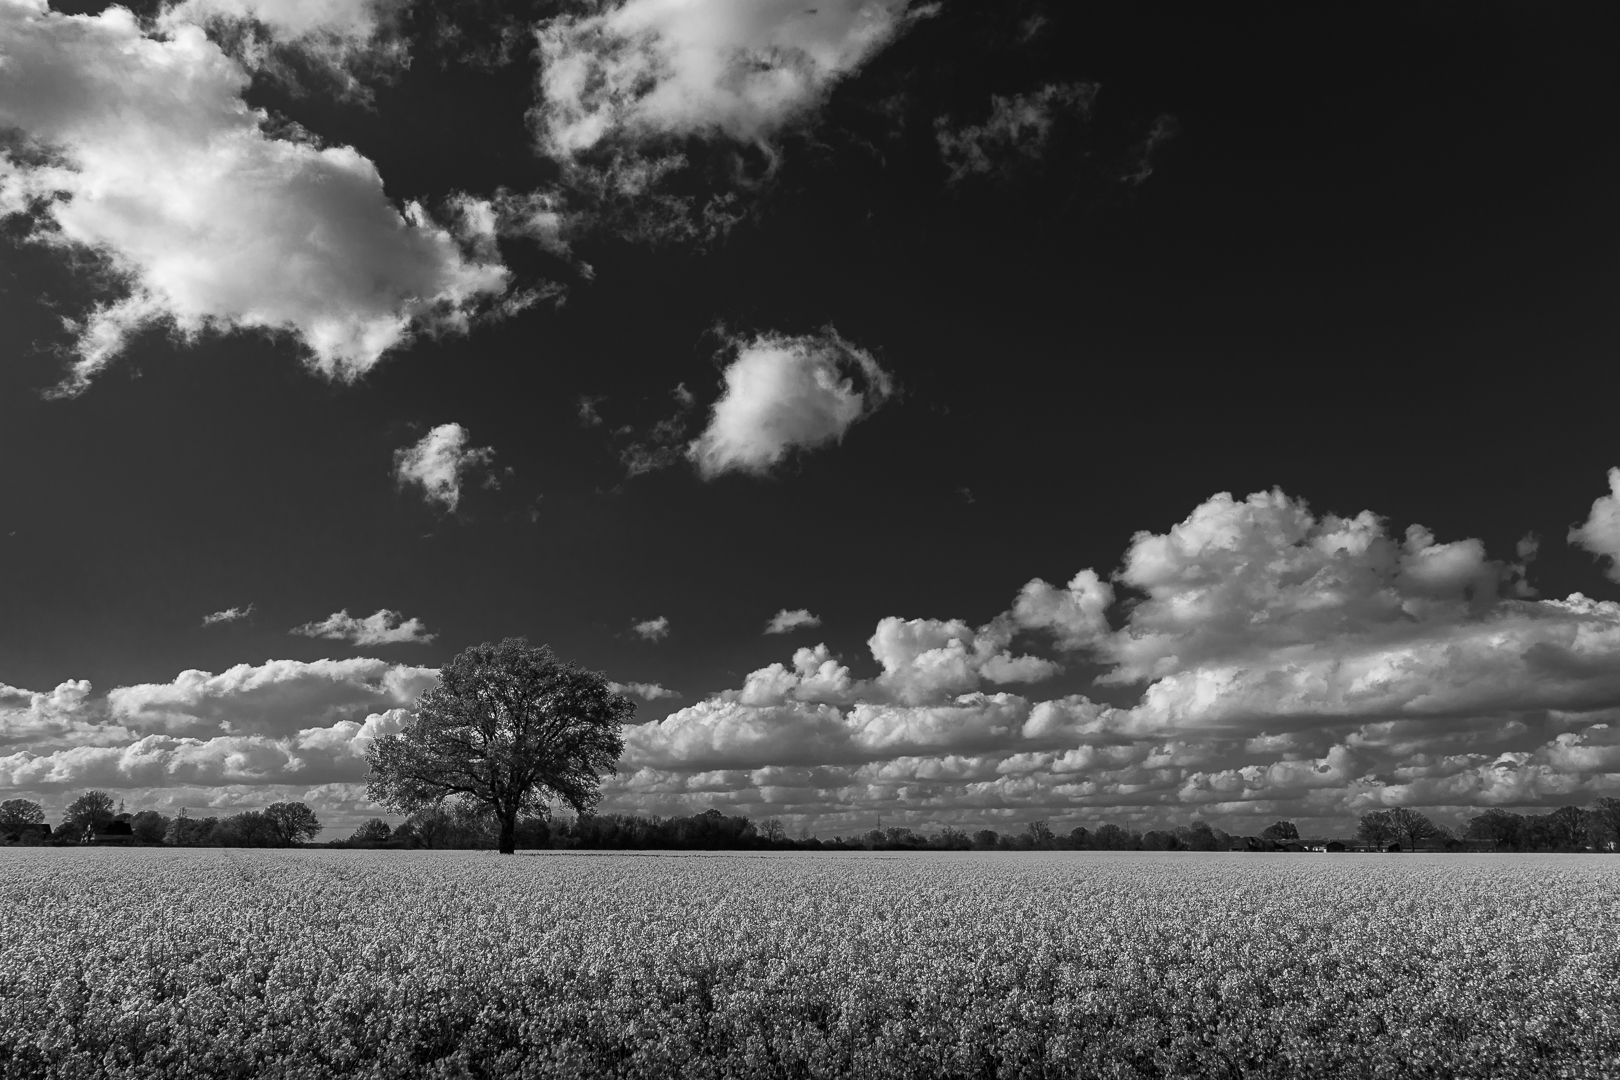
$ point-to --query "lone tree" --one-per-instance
(509, 727)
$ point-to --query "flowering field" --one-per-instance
(174, 963)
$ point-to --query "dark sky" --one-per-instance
(1364, 253)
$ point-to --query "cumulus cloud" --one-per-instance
(64, 716)
(137, 152)
(643, 690)
(652, 629)
(1601, 532)
(246, 737)
(1018, 128)
(815, 712)
(1244, 580)
(273, 699)
(321, 755)
(1287, 664)
(785, 621)
(437, 461)
(783, 394)
(924, 660)
(637, 70)
(229, 615)
(1258, 660)
(383, 627)
(1074, 615)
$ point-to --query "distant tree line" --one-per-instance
(1569, 828)
(465, 826)
(93, 819)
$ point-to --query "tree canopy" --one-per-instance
(509, 727)
(17, 814)
(1401, 824)
(92, 810)
(292, 822)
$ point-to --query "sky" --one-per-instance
(934, 413)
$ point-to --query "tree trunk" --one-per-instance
(508, 833)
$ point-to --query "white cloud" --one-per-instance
(814, 713)
(1255, 578)
(1076, 615)
(1019, 126)
(653, 629)
(743, 70)
(63, 717)
(274, 699)
(1285, 664)
(718, 733)
(785, 621)
(320, 755)
(644, 691)
(140, 151)
(383, 627)
(1290, 664)
(344, 41)
(926, 660)
(243, 735)
(1601, 533)
(436, 462)
(784, 394)
(228, 615)
(347, 20)
(816, 676)
(281, 723)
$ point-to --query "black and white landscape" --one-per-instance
(931, 414)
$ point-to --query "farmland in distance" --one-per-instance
(220, 962)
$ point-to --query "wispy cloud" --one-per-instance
(653, 629)
(1141, 163)
(289, 40)
(1018, 129)
(644, 691)
(228, 615)
(626, 86)
(383, 627)
(436, 463)
(638, 70)
(785, 621)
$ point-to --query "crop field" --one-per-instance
(210, 962)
